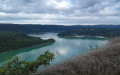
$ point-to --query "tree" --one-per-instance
(93, 48)
(15, 66)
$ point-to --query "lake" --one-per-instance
(66, 48)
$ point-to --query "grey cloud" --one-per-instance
(93, 7)
(66, 11)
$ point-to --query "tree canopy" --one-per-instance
(14, 40)
(16, 66)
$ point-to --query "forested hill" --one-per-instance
(36, 28)
(12, 40)
(30, 28)
(107, 32)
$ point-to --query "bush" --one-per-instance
(15, 66)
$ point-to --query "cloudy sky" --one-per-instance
(66, 12)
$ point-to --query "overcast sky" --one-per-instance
(66, 12)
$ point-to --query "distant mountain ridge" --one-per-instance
(30, 28)
(36, 28)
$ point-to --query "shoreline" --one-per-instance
(28, 47)
(82, 36)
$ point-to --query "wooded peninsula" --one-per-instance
(15, 40)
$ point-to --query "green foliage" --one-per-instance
(93, 48)
(108, 32)
(15, 66)
(57, 52)
(12, 40)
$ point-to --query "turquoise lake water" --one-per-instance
(66, 48)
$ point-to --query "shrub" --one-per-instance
(15, 66)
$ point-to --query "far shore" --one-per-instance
(84, 36)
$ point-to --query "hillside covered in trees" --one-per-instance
(14, 40)
(37, 28)
(34, 28)
(107, 32)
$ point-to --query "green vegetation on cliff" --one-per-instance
(14, 40)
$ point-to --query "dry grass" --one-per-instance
(104, 61)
